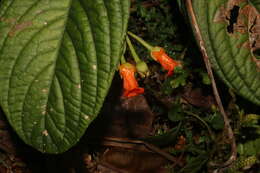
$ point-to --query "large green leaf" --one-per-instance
(256, 4)
(230, 31)
(57, 61)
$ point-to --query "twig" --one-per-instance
(211, 134)
(179, 159)
(126, 143)
(149, 146)
(111, 167)
(228, 128)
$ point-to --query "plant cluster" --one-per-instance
(195, 128)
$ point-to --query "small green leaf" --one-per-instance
(57, 61)
(180, 80)
(165, 138)
(250, 120)
(205, 78)
(249, 148)
(195, 164)
(176, 113)
(216, 121)
(242, 162)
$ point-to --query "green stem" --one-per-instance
(123, 59)
(132, 50)
(140, 40)
(212, 136)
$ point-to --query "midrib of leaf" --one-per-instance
(97, 56)
(100, 56)
(99, 82)
(77, 134)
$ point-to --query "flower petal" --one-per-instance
(130, 84)
(133, 92)
(167, 62)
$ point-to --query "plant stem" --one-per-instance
(205, 56)
(132, 50)
(123, 59)
(212, 136)
(140, 40)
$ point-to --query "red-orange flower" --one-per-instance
(131, 88)
(158, 54)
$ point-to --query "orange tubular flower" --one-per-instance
(131, 88)
(159, 55)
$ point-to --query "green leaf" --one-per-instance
(205, 78)
(242, 162)
(180, 80)
(216, 121)
(165, 139)
(249, 148)
(256, 4)
(57, 61)
(176, 114)
(195, 164)
(229, 32)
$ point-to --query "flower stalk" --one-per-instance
(140, 40)
(132, 50)
(159, 55)
(141, 66)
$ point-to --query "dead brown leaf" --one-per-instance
(133, 161)
(127, 118)
(196, 97)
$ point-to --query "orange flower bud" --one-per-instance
(159, 55)
(131, 88)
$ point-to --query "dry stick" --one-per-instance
(113, 168)
(139, 142)
(230, 133)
